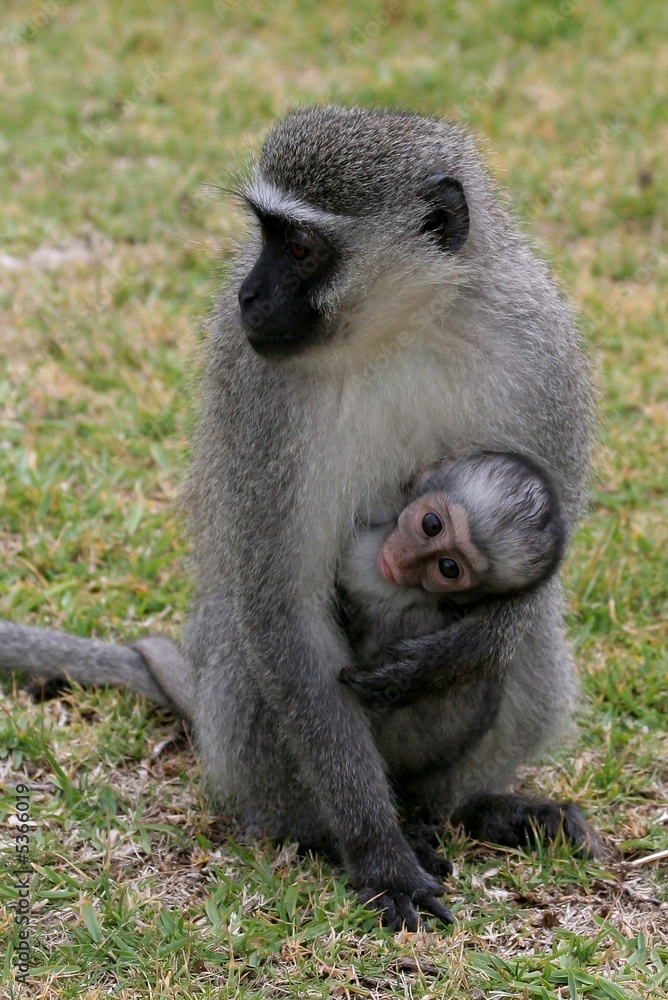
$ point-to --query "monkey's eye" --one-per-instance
(298, 250)
(300, 244)
(432, 525)
(448, 568)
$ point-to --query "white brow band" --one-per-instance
(269, 198)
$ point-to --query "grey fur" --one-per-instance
(170, 671)
(425, 354)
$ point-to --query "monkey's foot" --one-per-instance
(514, 820)
(397, 885)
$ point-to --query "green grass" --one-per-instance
(121, 126)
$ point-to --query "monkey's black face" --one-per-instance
(276, 298)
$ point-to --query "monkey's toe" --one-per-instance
(400, 912)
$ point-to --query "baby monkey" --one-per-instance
(423, 601)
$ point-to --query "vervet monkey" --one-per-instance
(384, 313)
(476, 527)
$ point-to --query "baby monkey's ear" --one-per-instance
(432, 477)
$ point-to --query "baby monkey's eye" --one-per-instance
(448, 568)
(432, 525)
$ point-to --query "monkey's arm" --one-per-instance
(153, 666)
(478, 645)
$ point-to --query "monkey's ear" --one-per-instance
(448, 213)
(433, 476)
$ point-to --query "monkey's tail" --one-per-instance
(154, 666)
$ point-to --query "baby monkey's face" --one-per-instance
(431, 547)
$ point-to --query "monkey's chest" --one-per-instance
(385, 425)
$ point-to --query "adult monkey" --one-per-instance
(394, 317)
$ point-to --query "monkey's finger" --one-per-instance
(396, 909)
(578, 832)
(362, 692)
(383, 904)
(366, 678)
(360, 680)
(408, 916)
(431, 860)
(360, 688)
(376, 687)
(434, 906)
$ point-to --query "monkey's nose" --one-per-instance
(247, 296)
(251, 289)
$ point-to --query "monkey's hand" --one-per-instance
(395, 883)
(479, 644)
(397, 682)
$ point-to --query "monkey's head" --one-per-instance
(352, 205)
(479, 525)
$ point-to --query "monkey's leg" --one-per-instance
(316, 780)
(153, 667)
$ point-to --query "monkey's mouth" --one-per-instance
(385, 569)
(274, 347)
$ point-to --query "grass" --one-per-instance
(120, 124)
